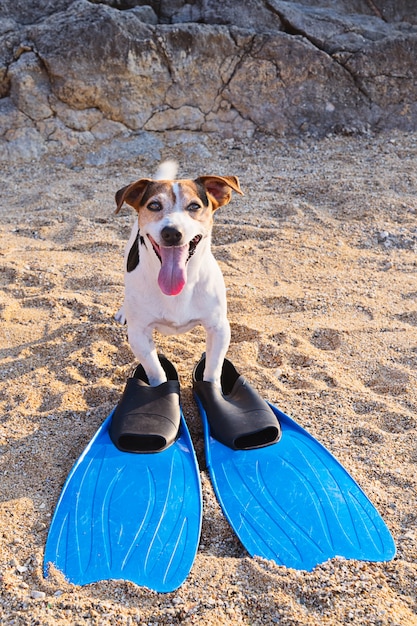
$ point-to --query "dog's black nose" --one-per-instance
(171, 236)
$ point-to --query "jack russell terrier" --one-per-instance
(172, 280)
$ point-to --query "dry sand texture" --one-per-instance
(320, 262)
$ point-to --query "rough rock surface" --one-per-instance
(78, 73)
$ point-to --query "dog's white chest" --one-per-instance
(175, 327)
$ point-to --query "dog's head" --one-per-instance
(174, 217)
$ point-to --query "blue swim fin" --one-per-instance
(128, 516)
(292, 501)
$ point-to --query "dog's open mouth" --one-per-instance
(191, 246)
(173, 273)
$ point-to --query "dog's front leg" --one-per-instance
(144, 350)
(217, 344)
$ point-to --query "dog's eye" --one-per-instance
(155, 206)
(193, 207)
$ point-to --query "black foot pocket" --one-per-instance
(147, 418)
(237, 415)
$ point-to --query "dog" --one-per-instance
(172, 280)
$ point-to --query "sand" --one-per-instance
(319, 259)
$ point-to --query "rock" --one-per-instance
(37, 595)
(285, 75)
(186, 118)
(10, 117)
(126, 148)
(145, 14)
(107, 129)
(332, 30)
(22, 569)
(249, 15)
(22, 144)
(76, 73)
(76, 119)
(384, 72)
(24, 12)
(30, 87)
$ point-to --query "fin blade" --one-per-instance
(128, 516)
(294, 503)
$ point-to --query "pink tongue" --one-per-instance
(173, 274)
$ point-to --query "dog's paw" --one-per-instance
(120, 316)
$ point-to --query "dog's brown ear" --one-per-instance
(220, 187)
(131, 194)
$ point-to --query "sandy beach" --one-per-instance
(319, 259)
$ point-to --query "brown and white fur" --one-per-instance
(172, 280)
